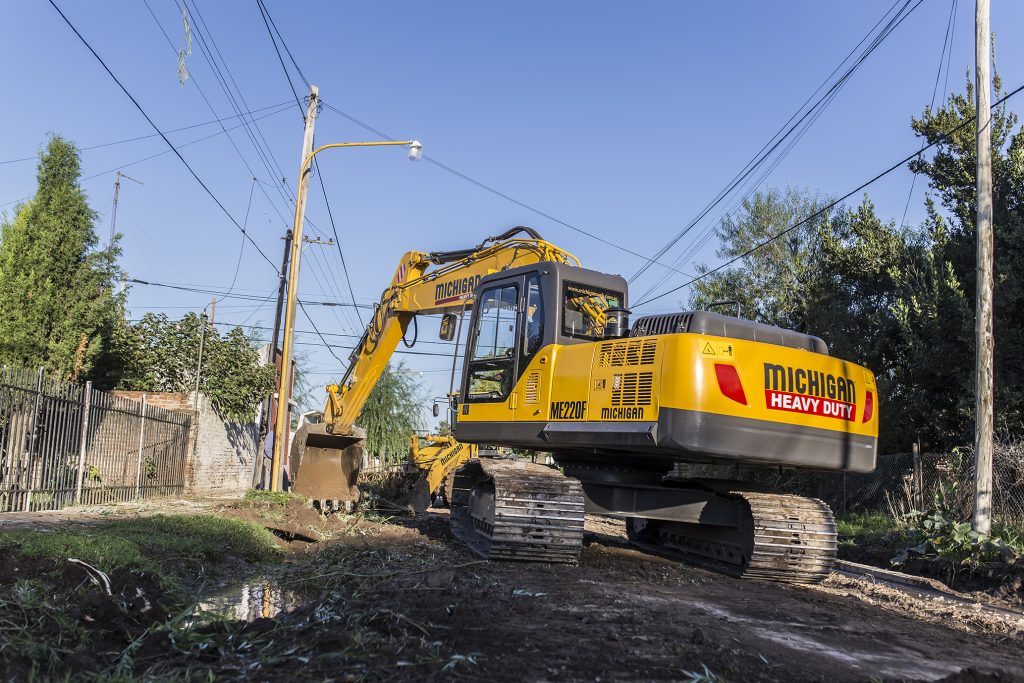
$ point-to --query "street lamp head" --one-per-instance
(415, 150)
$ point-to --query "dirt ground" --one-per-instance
(626, 615)
(401, 599)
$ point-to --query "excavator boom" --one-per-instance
(326, 457)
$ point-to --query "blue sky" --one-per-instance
(622, 119)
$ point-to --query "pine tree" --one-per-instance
(56, 289)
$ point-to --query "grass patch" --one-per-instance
(175, 548)
(254, 498)
(62, 620)
(866, 523)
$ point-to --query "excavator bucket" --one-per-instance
(325, 467)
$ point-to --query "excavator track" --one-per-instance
(508, 510)
(785, 538)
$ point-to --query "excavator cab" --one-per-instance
(517, 314)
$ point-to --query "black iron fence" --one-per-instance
(63, 443)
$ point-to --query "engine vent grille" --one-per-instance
(532, 388)
(668, 323)
(626, 353)
(632, 389)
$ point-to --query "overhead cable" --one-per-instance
(828, 207)
(160, 132)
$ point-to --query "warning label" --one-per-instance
(780, 400)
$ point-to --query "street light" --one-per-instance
(281, 428)
(415, 150)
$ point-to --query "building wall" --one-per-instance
(221, 453)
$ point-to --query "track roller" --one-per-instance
(785, 538)
(508, 510)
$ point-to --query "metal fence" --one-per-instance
(904, 482)
(63, 443)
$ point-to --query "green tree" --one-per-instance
(56, 288)
(771, 283)
(898, 300)
(951, 172)
(393, 411)
(159, 354)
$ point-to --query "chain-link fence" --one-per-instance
(903, 482)
(64, 443)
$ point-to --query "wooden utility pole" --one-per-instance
(113, 210)
(285, 390)
(275, 335)
(984, 420)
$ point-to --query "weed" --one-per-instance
(866, 523)
(253, 498)
(940, 532)
(705, 675)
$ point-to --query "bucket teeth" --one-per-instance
(535, 513)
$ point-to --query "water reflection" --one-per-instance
(256, 598)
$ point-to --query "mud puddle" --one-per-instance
(256, 597)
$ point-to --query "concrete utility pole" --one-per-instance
(284, 393)
(983, 426)
(113, 210)
(206, 323)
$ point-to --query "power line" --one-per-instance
(241, 247)
(157, 129)
(946, 41)
(268, 21)
(942, 138)
(326, 334)
(264, 9)
(202, 93)
(159, 154)
(228, 295)
(265, 153)
(798, 127)
(500, 194)
(318, 333)
(298, 102)
(153, 135)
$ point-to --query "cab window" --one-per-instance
(583, 310)
(533, 330)
(492, 362)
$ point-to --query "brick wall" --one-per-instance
(221, 454)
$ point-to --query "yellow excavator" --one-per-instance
(435, 457)
(551, 362)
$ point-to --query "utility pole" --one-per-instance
(984, 342)
(113, 210)
(202, 343)
(284, 394)
(282, 283)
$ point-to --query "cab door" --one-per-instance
(493, 353)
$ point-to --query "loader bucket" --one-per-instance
(326, 466)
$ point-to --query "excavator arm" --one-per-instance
(326, 457)
(417, 288)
